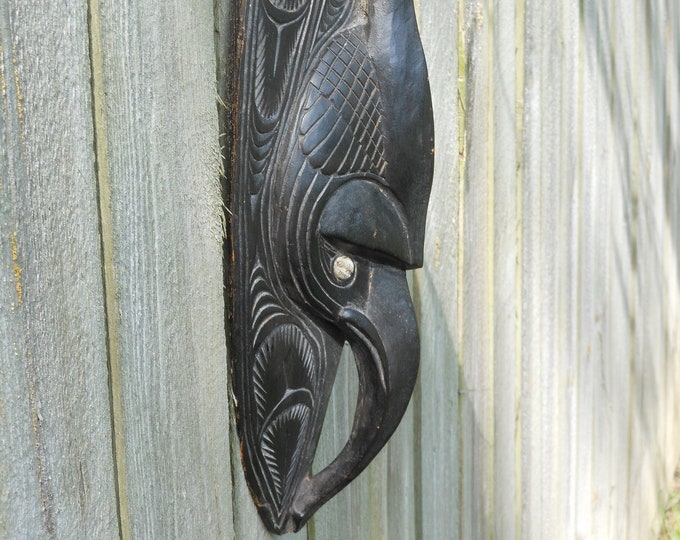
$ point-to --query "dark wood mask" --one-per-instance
(333, 165)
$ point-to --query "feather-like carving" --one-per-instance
(283, 363)
(341, 124)
(284, 381)
(286, 431)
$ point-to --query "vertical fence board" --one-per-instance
(608, 325)
(567, 183)
(644, 365)
(505, 302)
(400, 514)
(551, 238)
(598, 201)
(436, 295)
(660, 14)
(650, 357)
(476, 296)
(160, 135)
(532, 278)
(672, 227)
(56, 465)
(590, 199)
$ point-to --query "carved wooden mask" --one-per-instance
(333, 166)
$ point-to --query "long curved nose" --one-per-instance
(384, 339)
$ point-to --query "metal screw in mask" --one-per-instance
(343, 268)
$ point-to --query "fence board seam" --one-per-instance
(102, 181)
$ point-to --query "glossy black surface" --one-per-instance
(333, 166)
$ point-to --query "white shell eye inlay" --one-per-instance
(343, 268)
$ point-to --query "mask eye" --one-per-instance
(344, 269)
(363, 217)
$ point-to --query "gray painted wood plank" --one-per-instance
(672, 252)
(594, 197)
(56, 462)
(436, 399)
(567, 171)
(548, 244)
(532, 277)
(400, 513)
(636, 474)
(620, 318)
(160, 134)
(476, 296)
(659, 14)
(557, 236)
(506, 300)
(608, 243)
(648, 367)
(375, 509)
(400, 485)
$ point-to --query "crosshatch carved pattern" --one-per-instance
(342, 87)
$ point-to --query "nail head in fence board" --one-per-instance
(56, 467)
(159, 71)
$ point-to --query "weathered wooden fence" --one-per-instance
(548, 404)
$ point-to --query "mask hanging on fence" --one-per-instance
(332, 167)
